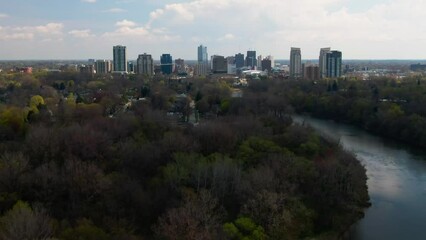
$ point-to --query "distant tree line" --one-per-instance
(387, 107)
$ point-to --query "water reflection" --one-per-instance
(396, 182)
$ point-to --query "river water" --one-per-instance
(396, 182)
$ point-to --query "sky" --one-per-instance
(86, 29)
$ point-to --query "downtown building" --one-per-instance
(295, 63)
(166, 61)
(219, 64)
(202, 66)
(323, 62)
(119, 59)
(145, 64)
(239, 60)
(311, 72)
(334, 64)
(103, 66)
(251, 61)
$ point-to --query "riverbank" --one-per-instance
(396, 177)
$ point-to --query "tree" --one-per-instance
(244, 228)
(22, 222)
(198, 218)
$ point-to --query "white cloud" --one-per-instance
(128, 30)
(227, 37)
(276, 25)
(81, 33)
(89, 1)
(3, 15)
(31, 32)
(115, 10)
(125, 23)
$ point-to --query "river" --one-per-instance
(396, 182)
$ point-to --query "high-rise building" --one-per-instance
(251, 60)
(201, 69)
(272, 60)
(180, 65)
(323, 62)
(334, 64)
(239, 60)
(295, 63)
(166, 61)
(311, 72)
(266, 65)
(145, 64)
(259, 62)
(120, 59)
(102, 66)
(219, 64)
(202, 54)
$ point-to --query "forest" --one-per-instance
(387, 107)
(127, 157)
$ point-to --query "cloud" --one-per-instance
(310, 24)
(127, 30)
(89, 1)
(3, 15)
(125, 23)
(227, 37)
(115, 10)
(31, 32)
(86, 33)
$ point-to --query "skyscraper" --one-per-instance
(202, 54)
(334, 64)
(166, 61)
(251, 60)
(266, 65)
(180, 65)
(239, 60)
(145, 64)
(219, 64)
(295, 63)
(102, 66)
(323, 62)
(120, 59)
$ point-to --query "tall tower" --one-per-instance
(145, 64)
(251, 60)
(120, 59)
(239, 60)
(202, 54)
(295, 63)
(166, 64)
(334, 64)
(323, 62)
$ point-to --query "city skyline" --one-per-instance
(82, 29)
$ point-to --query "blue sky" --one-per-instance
(82, 29)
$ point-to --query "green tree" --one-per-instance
(22, 222)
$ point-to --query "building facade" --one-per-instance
(266, 65)
(166, 61)
(295, 63)
(119, 59)
(251, 60)
(323, 62)
(145, 65)
(202, 54)
(311, 72)
(219, 64)
(334, 64)
(239, 60)
(102, 66)
(180, 66)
